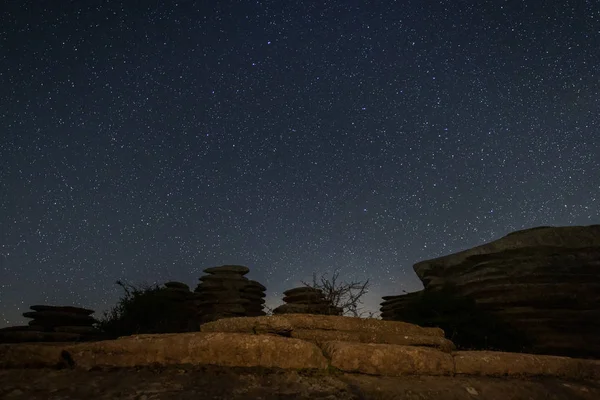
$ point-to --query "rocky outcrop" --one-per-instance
(543, 281)
(391, 305)
(266, 342)
(306, 300)
(320, 329)
(254, 292)
(53, 324)
(225, 292)
(181, 303)
(388, 360)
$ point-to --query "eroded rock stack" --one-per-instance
(392, 306)
(182, 301)
(543, 281)
(306, 300)
(53, 324)
(254, 292)
(225, 292)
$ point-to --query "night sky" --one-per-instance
(146, 141)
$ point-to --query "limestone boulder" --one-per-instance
(306, 300)
(64, 309)
(59, 318)
(225, 292)
(545, 282)
(320, 336)
(53, 324)
(224, 349)
(285, 324)
(388, 359)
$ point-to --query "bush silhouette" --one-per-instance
(145, 310)
(343, 296)
(463, 322)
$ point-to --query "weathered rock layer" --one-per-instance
(544, 281)
(266, 342)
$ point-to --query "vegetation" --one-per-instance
(144, 309)
(345, 295)
(148, 309)
(463, 322)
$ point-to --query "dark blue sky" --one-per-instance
(146, 141)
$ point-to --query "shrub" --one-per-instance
(145, 310)
(345, 296)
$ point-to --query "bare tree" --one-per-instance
(345, 295)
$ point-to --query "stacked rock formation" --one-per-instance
(181, 299)
(393, 305)
(225, 292)
(254, 292)
(53, 324)
(543, 281)
(306, 300)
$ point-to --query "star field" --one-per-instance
(147, 141)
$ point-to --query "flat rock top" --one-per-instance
(64, 309)
(235, 269)
(302, 290)
(177, 285)
(567, 237)
(289, 322)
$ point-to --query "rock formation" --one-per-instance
(391, 305)
(226, 292)
(53, 324)
(306, 300)
(543, 281)
(254, 292)
(357, 358)
(181, 299)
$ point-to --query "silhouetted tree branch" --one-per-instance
(345, 295)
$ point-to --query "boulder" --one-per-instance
(321, 309)
(65, 309)
(228, 269)
(302, 290)
(388, 359)
(53, 324)
(320, 336)
(225, 292)
(286, 323)
(56, 318)
(306, 300)
(224, 349)
(544, 282)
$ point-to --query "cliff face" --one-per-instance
(544, 281)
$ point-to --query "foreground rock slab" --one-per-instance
(320, 336)
(285, 324)
(177, 383)
(224, 349)
(273, 351)
(388, 360)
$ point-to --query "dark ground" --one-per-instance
(183, 383)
